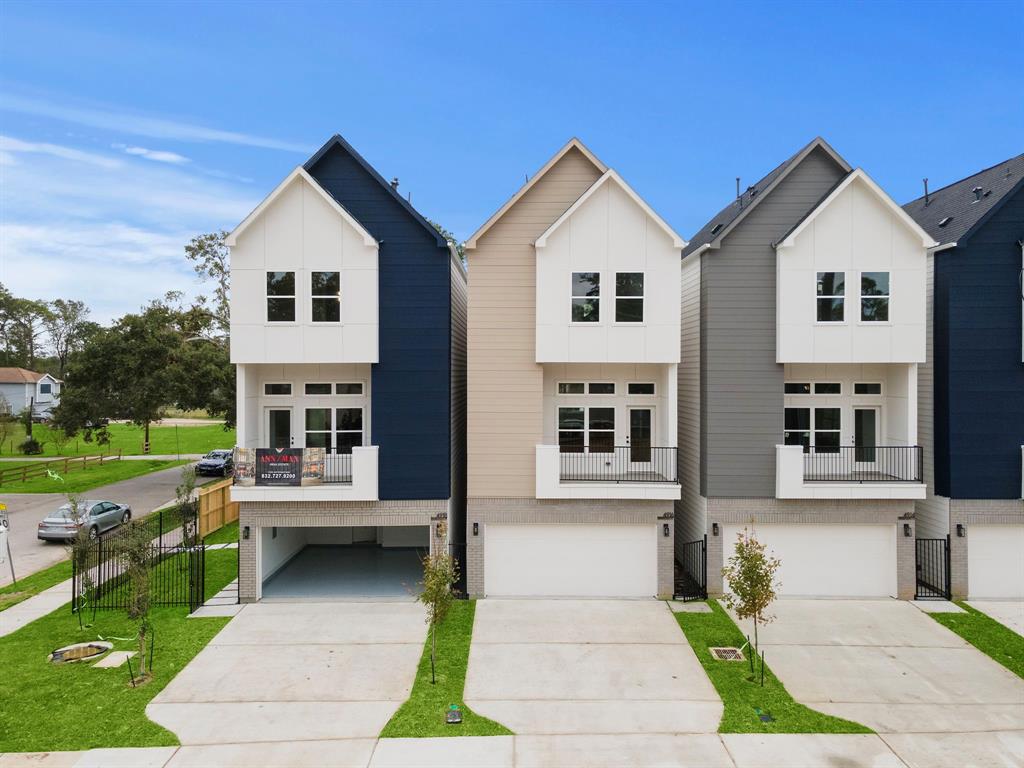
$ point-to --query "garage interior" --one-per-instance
(340, 563)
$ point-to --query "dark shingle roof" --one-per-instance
(721, 221)
(961, 206)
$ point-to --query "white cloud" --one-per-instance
(10, 146)
(156, 155)
(118, 121)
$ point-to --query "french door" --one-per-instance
(279, 428)
(866, 426)
(640, 439)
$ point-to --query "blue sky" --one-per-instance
(127, 128)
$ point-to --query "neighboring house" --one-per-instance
(573, 354)
(974, 392)
(348, 332)
(21, 389)
(803, 329)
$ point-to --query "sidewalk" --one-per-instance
(949, 750)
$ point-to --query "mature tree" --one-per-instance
(22, 329)
(211, 260)
(68, 327)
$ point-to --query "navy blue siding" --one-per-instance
(979, 386)
(410, 400)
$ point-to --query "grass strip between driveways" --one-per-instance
(987, 635)
(82, 480)
(224, 535)
(744, 698)
(33, 584)
(423, 714)
(47, 707)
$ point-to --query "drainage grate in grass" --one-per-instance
(726, 654)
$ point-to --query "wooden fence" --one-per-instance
(61, 466)
(216, 509)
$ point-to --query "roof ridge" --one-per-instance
(965, 178)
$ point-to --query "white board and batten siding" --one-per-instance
(571, 560)
(828, 560)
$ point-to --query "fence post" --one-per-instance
(949, 582)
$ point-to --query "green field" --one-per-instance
(93, 476)
(75, 707)
(128, 438)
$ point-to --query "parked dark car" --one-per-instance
(220, 463)
(99, 516)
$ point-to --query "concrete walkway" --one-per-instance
(548, 667)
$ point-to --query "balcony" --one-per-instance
(305, 474)
(849, 472)
(619, 472)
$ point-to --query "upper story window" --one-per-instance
(586, 428)
(280, 297)
(349, 388)
(867, 388)
(831, 296)
(586, 297)
(277, 389)
(828, 388)
(640, 388)
(318, 389)
(326, 293)
(601, 388)
(874, 297)
(570, 388)
(797, 388)
(629, 297)
(44, 388)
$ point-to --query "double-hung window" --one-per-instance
(590, 428)
(326, 295)
(318, 428)
(629, 297)
(44, 388)
(831, 296)
(798, 427)
(280, 297)
(586, 297)
(826, 430)
(874, 297)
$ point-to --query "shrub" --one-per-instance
(31, 447)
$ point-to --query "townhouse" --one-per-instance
(348, 333)
(573, 338)
(972, 386)
(803, 329)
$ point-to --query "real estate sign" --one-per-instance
(278, 466)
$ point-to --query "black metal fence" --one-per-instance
(864, 464)
(933, 577)
(692, 571)
(618, 464)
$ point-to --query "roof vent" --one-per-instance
(977, 194)
(716, 229)
(927, 200)
(987, 193)
(945, 221)
(394, 183)
(752, 191)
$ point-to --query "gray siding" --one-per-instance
(15, 396)
(690, 509)
(457, 521)
(741, 384)
(932, 513)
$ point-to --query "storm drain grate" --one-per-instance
(727, 654)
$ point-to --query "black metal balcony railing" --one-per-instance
(864, 464)
(618, 464)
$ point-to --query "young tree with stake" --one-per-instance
(439, 574)
(750, 575)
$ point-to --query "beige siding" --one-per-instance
(691, 508)
(505, 383)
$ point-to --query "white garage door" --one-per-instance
(571, 560)
(829, 560)
(995, 561)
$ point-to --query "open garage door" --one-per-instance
(828, 560)
(995, 561)
(571, 560)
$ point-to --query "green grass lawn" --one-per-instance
(163, 440)
(741, 691)
(31, 585)
(224, 535)
(987, 635)
(423, 714)
(74, 707)
(93, 476)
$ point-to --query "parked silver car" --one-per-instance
(99, 516)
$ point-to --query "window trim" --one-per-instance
(360, 393)
(307, 393)
(819, 296)
(808, 384)
(294, 297)
(336, 431)
(879, 393)
(601, 394)
(816, 384)
(313, 298)
(597, 298)
(642, 298)
(288, 384)
(812, 430)
(48, 390)
(652, 393)
(558, 385)
(306, 431)
(861, 297)
(585, 430)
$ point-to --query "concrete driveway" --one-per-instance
(544, 667)
(290, 672)
(1009, 613)
(886, 664)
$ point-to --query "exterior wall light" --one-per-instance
(245, 532)
(960, 530)
(476, 529)
(906, 530)
(664, 529)
(714, 529)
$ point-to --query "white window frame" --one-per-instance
(886, 296)
(879, 393)
(288, 384)
(361, 431)
(832, 296)
(816, 384)
(601, 394)
(330, 423)
(572, 297)
(294, 297)
(360, 393)
(558, 386)
(642, 298)
(307, 384)
(653, 385)
(313, 298)
(586, 430)
(838, 430)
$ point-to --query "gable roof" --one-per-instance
(299, 173)
(853, 176)
(728, 218)
(611, 175)
(338, 141)
(573, 143)
(20, 376)
(958, 203)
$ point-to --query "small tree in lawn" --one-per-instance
(439, 575)
(185, 507)
(80, 548)
(134, 550)
(750, 575)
